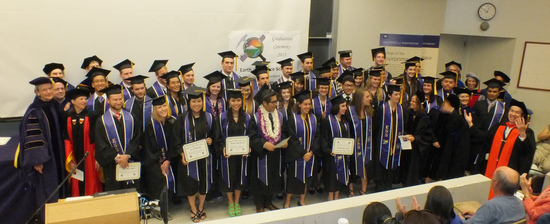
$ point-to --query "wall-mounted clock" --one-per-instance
(487, 11)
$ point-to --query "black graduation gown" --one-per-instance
(482, 118)
(330, 181)
(105, 154)
(154, 180)
(137, 112)
(413, 160)
(522, 154)
(384, 178)
(451, 160)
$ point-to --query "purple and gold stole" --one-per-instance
(112, 133)
(497, 114)
(209, 107)
(340, 163)
(390, 148)
(305, 133)
(363, 141)
(262, 161)
(318, 107)
(126, 91)
(225, 164)
(90, 104)
(341, 69)
(160, 136)
(158, 89)
(175, 107)
(431, 105)
(147, 108)
(193, 167)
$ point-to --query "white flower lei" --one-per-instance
(272, 135)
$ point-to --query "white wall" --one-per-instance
(36, 32)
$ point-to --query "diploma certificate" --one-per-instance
(132, 172)
(237, 145)
(405, 144)
(343, 146)
(196, 150)
(281, 143)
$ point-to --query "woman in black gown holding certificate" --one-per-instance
(195, 176)
(334, 166)
(299, 156)
(233, 170)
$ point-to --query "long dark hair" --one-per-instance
(376, 213)
(230, 114)
(440, 203)
(357, 101)
(282, 101)
(202, 114)
(335, 109)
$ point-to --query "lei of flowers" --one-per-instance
(271, 135)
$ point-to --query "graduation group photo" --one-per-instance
(272, 112)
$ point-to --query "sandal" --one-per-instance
(238, 211)
(362, 192)
(351, 194)
(195, 218)
(202, 214)
(231, 210)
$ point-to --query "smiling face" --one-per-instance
(411, 71)
(358, 80)
(271, 104)
(515, 113)
(492, 93)
(307, 65)
(215, 88)
(59, 91)
(323, 90)
(349, 87)
(305, 106)
(414, 103)
(395, 96)
(346, 62)
(427, 88)
(162, 110)
(287, 70)
(235, 104)
(448, 84)
(174, 84)
(80, 102)
(44, 91)
(196, 104)
(298, 86)
(285, 93)
(99, 82)
(342, 109)
(188, 78)
(464, 99)
(126, 73)
(471, 83)
(380, 59)
(115, 101)
(246, 90)
(227, 65)
(263, 79)
(375, 81)
(367, 98)
(57, 73)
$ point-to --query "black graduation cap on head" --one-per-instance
(358, 72)
(453, 63)
(324, 69)
(159, 100)
(138, 79)
(51, 66)
(453, 100)
(89, 60)
(337, 100)
(157, 65)
(286, 62)
(114, 89)
(375, 72)
(56, 80)
(280, 86)
(303, 95)
(77, 92)
(186, 68)
(398, 80)
(95, 71)
(194, 92)
(259, 70)
(421, 97)
(428, 79)
(227, 54)
(245, 80)
(263, 94)
(345, 76)
(41, 80)
(393, 88)
(449, 75)
(459, 90)
(215, 76)
(260, 63)
(494, 83)
(345, 53)
(124, 64)
(375, 51)
(380, 67)
(521, 105)
(234, 94)
(504, 77)
(170, 75)
(297, 76)
(330, 63)
(409, 64)
(323, 81)
(415, 59)
(305, 56)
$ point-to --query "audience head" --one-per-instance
(421, 217)
(440, 203)
(505, 181)
(376, 213)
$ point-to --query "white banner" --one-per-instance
(272, 46)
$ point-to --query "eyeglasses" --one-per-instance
(273, 102)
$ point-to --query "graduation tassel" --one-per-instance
(435, 87)
(456, 81)
(236, 59)
(292, 86)
(329, 88)
(123, 103)
(203, 102)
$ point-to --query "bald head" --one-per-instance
(505, 181)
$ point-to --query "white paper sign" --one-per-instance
(405, 144)
(132, 172)
(238, 145)
(343, 146)
(196, 150)
(78, 174)
(281, 143)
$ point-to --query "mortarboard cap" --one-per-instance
(227, 54)
(95, 71)
(89, 60)
(138, 79)
(449, 75)
(399, 80)
(337, 100)
(215, 76)
(77, 92)
(375, 72)
(56, 80)
(159, 100)
(303, 95)
(286, 62)
(260, 63)
(521, 105)
(283, 85)
(324, 69)
(459, 90)
(323, 81)
(234, 94)
(330, 62)
(194, 92)
(494, 83)
(393, 88)
(415, 59)
(114, 89)
(421, 97)
(124, 64)
(52, 66)
(263, 94)
(345, 76)
(345, 53)
(245, 80)
(375, 51)
(428, 79)
(41, 80)
(305, 56)
(157, 65)
(453, 100)
(186, 68)
(358, 72)
(297, 76)
(453, 63)
(170, 75)
(409, 64)
(504, 77)
(259, 70)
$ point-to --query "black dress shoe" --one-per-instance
(258, 210)
(280, 195)
(299, 204)
(272, 207)
(311, 191)
(320, 190)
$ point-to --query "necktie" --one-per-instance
(348, 99)
(100, 99)
(117, 115)
(271, 119)
(491, 105)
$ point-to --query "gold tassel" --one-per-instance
(203, 102)
(329, 88)
(435, 87)
(456, 80)
(122, 89)
(292, 87)
(236, 59)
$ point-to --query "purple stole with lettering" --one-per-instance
(362, 153)
(262, 161)
(126, 91)
(112, 133)
(340, 163)
(147, 108)
(158, 89)
(304, 169)
(318, 107)
(175, 107)
(498, 113)
(193, 167)
(160, 136)
(91, 103)
(388, 153)
(225, 163)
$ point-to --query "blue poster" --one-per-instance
(405, 40)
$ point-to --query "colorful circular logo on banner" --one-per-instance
(253, 47)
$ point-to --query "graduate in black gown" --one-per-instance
(299, 156)
(285, 103)
(249, 104)
(450, 159)
(335, 167)
(117, 140)
(176, 101)
(233, 172)
(139, 104)
(418, 128)
(389, 120)
(360, 119)
(432, 101)
(267, 130)
(79, 139)
(195, 177)
(215, 93)
(159, 157)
